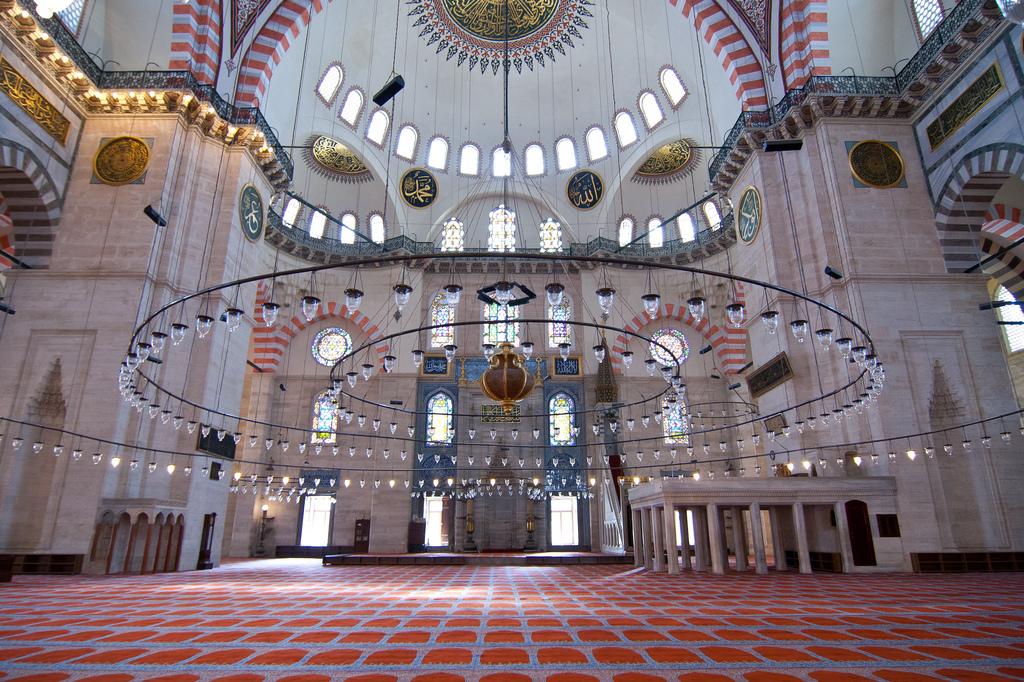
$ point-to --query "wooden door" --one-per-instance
(361, 545)
(860, 533)
(206, 543)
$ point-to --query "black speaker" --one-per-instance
(154, 216)
(392, 88)
(783, 145)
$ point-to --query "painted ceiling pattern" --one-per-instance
(243, 14)
(757, 14)
(474, 30)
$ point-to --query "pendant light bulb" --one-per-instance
(402, 292)
(555, 291)
(736, 312)
(503, 292)
(652, 302)
(452, 293)
(770, 320)
(527, 347)
(178, 332)
(353, 297)
(627, 359)
(824, 337)
(270, 310)
(696, 305)
(799, 328)
(367, 372)
(599, 353)
(563, 350)
(233, 318)
(203, 325)
(417, 357)
(605, 298)
(310, 306)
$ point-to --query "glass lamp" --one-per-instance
(353, 297)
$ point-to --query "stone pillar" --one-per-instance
(715, 537)
(638, 545)
(700, 538)
(739, 538)
(684, 538)
(645, 537)
(757, 535)
(671, 545)
(470, 545)
(658, 535)
(843, 529)
(778, 548)
(800, 526)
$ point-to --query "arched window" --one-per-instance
(452, 236)
(712, 215)
(377, 231)
(439, 420)
(503, 324)
(624, 129)
(501, 163)
(352, 107)
(561, 420)
(469, 160)
(559, 329)
(442, 313)
(348, 229)
(378, 127)
(655, 233)
(675, 342)
(550, 236)
(331, 345)
(686, 229)
(325, 419)
(534, 160)
(673, 87)
(291, 212)
(317, 223)
(437, 153)
(1013, 333)
(501, 230)
(651, 110)
(330, 83)
(565, 152)
(928, 14)
(675, 421)
(597, 147)
(625, 231)
(406, 145)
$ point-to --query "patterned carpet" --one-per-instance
(298, 621)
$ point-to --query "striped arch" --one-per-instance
(965, 199)
(195, 39)
(270, 344)
(32, 203)
(732, 49)
(269, 45)
(803, 32)
(729, 344)
(6, 232)
(1002, 228)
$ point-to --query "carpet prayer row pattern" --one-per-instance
(296, 621)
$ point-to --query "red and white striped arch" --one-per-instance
(270, 343)
(729, 343)
(1002, 228)
(195, 39)
(731, 47)
(269, 45)
(803, 32)
(6, 235)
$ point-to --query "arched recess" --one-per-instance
(803, 33)
(729, 343)
(195, 39)
(1001, 230)
(270, 343)
(732, 49)
(32, 202)
(966, 196)
(271, 42)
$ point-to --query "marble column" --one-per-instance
(645, 537)
(757, 535)
(715, 538)
(671, 543)
(739, 538)
(800, 525)
(843, 530)
(658, 535)
(638, 552)
(684, 536)
(778, 547)
(700, 538)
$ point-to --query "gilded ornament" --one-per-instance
(584, 189)
(876, 164)
(486, 18)
(971, 100)
(121, 160)
(671, 162)
(418, 188)
(32, 102)
(338, 159)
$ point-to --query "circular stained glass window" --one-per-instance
(675, 342)
(330, 345)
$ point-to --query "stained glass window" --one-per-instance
(452, 236)
(325, 419)
(439, 416)
(561, 420)
(559, 330)
(330, 345)
(504, 327)
(675, 342)
(501, 230)
(551, 236)
(675, 421)
(442, 313)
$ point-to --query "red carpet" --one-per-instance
(295, 620)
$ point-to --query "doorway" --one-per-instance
(317, 511)
(565, 526)
(361, 544)
(861, 543)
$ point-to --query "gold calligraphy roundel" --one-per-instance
(670, 159)
(876, 164)
(486, 18)
(335, 156)
(418, 188)
(584, 189)
(121, 161)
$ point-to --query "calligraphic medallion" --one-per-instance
(336, 160)
(584, 189)
(671, 162)
(486, 18)
(418, 188)
(121, 161)
(748, 222)
(250, 212)
(876, 164)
